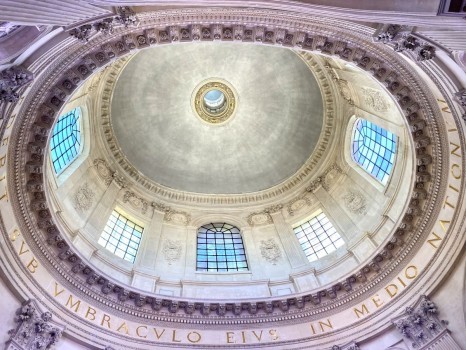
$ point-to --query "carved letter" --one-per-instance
(106, 318)
(390, 293)
(33, 265)
(413, 274)
(123, 326)
(431, 241)
(5, 141)
(157, 334)
(448, 203)
(2, 161)
(361, 312)
(196, 340)
(376, 300)
(322, 324)
(21, 249)
(457, 147)
(230, 339)
(138, 334)
(257, 337)
(174, 337)
(15, 235)
(56, 293)
(90, 312)
(442, 223)
(72, 305)
(274, 334)
(458, 174)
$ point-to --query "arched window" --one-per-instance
(318, 237)
(373, 148)
(220, 248)
(121, 236)
(65, 144)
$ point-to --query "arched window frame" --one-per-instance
(338, 242)
(132, 233)
(380, 172)
(219, 269)
(398, 130)
(65, 173)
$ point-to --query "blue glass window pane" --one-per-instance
(224, 250)
(373, 148)
(119, 236)
(65, 144)
(320, 237)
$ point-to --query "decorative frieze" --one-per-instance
(126, 17)
(82, 33)
(34, 330)
(11, 80)
(298, 203)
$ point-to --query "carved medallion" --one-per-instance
(355, 202)
(84, 197)
(172, 250)
(270, 251)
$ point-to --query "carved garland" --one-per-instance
(314, 40)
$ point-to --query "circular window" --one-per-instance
(214, 101)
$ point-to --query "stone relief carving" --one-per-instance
(11, 80)
(177, 217)
(136, 201)
(327, 179)
(126, 17)
(104, 171)
(172, 250)
(270, 250)
(298, 203)
(355, 202)
(256, 219)
(402, 39)
(84, 197)
(35, 330)
(82, 33)
(353, 50)
(460, 97)
(421, 327)
(374, 99)
(263, 217)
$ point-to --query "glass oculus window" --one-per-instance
(220, 248)
(121, 236)
(373, 148)
(65, 144)
(318, 237)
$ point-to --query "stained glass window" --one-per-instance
(121, 236)
(65, 144)
(373, 148)
(220, 248)
(318, 237)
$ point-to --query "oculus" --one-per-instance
(214, 101)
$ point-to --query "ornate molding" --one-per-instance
(11, 80)
(34, 330)
(298, 203)
(312, 34)
(402, 39)
(136, 201)
(327, 179)
(421, 328)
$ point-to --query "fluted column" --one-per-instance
(49, 12)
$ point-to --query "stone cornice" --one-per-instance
(26, 161)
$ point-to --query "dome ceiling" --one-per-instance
(276, 125)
